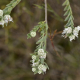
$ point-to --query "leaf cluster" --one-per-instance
(68, 13)
(10, 6)
(41, 27)
(42, 39)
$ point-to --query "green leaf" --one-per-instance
(66, 13)
(10, 6)
(66, 8)
(69, 17)
(64, 3)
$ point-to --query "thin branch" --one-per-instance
(46, 28)
(45, 11)
(51, 39)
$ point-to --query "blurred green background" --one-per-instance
(15, 49)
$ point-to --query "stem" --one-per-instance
(45, 11)
(46, 21)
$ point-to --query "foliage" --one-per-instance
(10, 6)
(42, 27)
(69, 14)
(69, 30)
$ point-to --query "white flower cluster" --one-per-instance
(35, 63)
(37, 66)
(71, 33)
(5, 18)
(33, 34)
(41, 53)
(41, 68)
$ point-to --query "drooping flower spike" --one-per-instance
(38, 58)
(69, 31)
(5, 17)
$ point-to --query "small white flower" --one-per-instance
(40, 67)
(44, 68)
(64, 31)
(39, 71)
(75, 31)
(69, 30)
(2, 23)
(7, 18)
(78, 27)
(1, 12)
(33, 57)
(33, 34)
(33, 69)
(72, 37)
(43, 56)
(40, 52)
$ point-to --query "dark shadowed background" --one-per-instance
(15, 49)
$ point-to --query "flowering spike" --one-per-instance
(69, 30)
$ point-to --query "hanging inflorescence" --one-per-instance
(5, 13)
(69, 31)
(38, 58)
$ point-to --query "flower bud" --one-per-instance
(33, 34)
